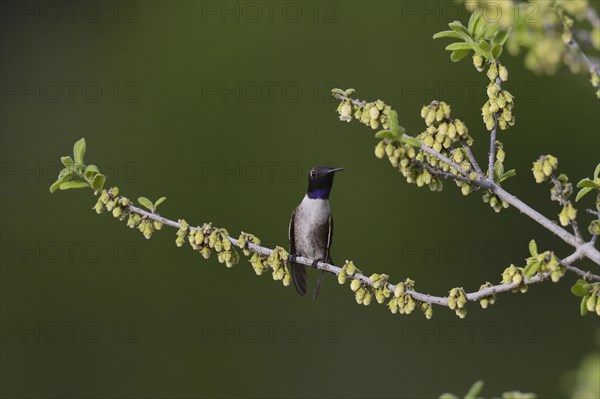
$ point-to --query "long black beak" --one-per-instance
(335, 170)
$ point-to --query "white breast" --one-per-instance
(316, 212)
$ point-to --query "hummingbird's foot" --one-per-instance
(292, 258)
(316, 262)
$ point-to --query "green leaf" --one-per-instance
(458, 46)
(500, 37)
(486, 48)
(587, 183)
(507, 175)
(410, 141)
(79, 151)
(597, 171)
(496, 51)
(61, 179)
(68, 162)
(91, 171)
(447, 395)
(159, 201)
(582, 192)
(583, 305)
(473, 20)
(459, 28)
(533, 248)
(392, 121)
(579, 290)
(448, 33)
(337, 91)
(474, 390)
(98, 182)
(347, 92)
(532, 269)
(458, 55)
(385, 134)
(65, 172)
(146, 203)
(73, 184)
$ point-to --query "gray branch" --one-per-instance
(437, 300)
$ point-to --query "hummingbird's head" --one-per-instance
(320, 181)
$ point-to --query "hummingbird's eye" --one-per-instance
(312, 173)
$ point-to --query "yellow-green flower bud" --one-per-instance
(355, 285)
(374, 113)
(157, 225)
(484, 302)
(430, 117)
(367, 298)
(342, 277)
(399, 291)
(99, 207)
(503, 73)
(478, 62)
(591, 303)
(117, 212)
(380, 150)
(148, 231)
(393, 305)
(492, 72)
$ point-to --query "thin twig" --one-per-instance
(437, 300)
(471, 157)
(588, 249)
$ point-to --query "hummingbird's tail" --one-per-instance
(319, 284)
(299, 277)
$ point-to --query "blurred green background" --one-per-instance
(223, 107)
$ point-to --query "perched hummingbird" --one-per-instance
(311, 227)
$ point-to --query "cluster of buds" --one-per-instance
(110, 201)
(147, 226)
(380, 287)
(244, 240)
(495, 202)
(457, 301)
(427, 310)
(545, 262)
(498, 108)
(198, 239)
(441, 128)
(348, 270)
(544, 167)
(278, 262)
(219, 241)
(561, 190)
(402, 302)
(514, 275)
(259, 264)
(182, 233)
(488, 300)
(567, 214)
(362, 293)
(373, 114)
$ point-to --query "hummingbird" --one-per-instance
(311, 227)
